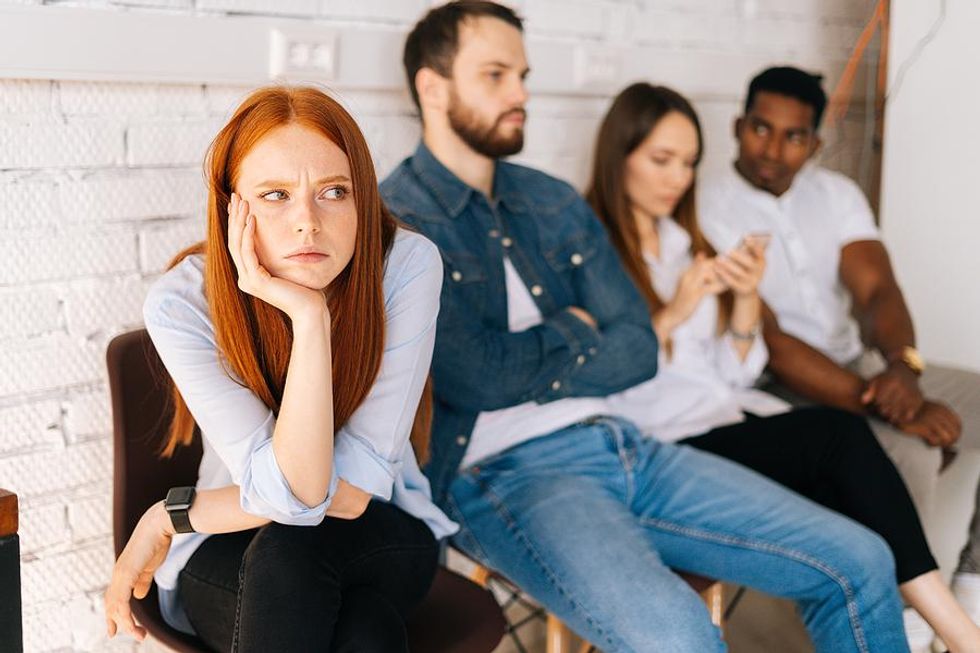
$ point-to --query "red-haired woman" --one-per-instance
(298, 337)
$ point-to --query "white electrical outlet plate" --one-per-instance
(597, 67)
(303, 52)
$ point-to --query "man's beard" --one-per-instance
(484, 140)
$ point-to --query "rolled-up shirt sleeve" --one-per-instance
(370, 447)
(235, 423)
(736, 372)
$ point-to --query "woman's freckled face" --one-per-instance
(298, 186)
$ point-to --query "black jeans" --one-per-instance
(342, 586)
(833, 458)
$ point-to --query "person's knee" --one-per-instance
(870, 562)
(280, 560)
(368, 623)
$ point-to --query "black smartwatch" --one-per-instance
(177, 503)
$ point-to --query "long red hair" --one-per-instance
(253, 337)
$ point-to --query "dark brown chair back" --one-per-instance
(139, 385)
(458, 616)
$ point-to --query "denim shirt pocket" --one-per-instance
(465, 278)
(568, 258)
(574, 253)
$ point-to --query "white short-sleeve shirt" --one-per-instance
(821, 213)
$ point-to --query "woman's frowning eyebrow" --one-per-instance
(275, 183)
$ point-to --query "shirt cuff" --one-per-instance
(564, 329)
(356, 461)
(742, 373)
(266, 493)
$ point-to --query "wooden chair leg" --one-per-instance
(480, 575)
(714, 598)
(558, 636)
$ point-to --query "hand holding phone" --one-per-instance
(755, 242)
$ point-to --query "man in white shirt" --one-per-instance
(838, 329)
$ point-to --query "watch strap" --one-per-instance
(181, 520)
(178, 504)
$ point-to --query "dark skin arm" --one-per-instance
(865, 270)
(885, 320)
(808, 372)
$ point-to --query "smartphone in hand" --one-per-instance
(755, 241)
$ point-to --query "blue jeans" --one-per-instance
(590, 520)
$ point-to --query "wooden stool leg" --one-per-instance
(480, 575)
(714, 598)
(558, 636)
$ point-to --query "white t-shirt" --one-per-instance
(701, 384)
(497, 430)
(810, 224)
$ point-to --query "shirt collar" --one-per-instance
(453, 194)
(675, 244)
(449, 190)
(799, 181)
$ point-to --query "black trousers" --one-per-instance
(342, 586)
(832, 457)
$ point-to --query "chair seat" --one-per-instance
(458, 616)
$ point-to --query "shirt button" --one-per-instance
(537, 290)
(461, 440)
(556, 385)
(506, 242)
(576, 259)
(592, 351)
(457, 275)
(493, 233)
(581, 359)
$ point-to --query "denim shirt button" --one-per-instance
(461, 440)
(506, 242)
(457, 275)
(576, 259)
(581, 359)
(536, 290)
(592, 351)
(556, 385)
(493, 233)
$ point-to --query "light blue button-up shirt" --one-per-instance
(371, 451)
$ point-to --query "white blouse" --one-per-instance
(701, 384)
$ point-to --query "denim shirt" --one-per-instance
(561, 251)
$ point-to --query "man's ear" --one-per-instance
(737, 126)
(815, 145)
(433, 90)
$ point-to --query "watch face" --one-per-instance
(179, 498)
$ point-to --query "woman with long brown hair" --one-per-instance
(706, 310)
(298, 336)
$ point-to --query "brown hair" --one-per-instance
(633, 114)
(434, 40)
(253, 337)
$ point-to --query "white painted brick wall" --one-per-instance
(101, 184)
